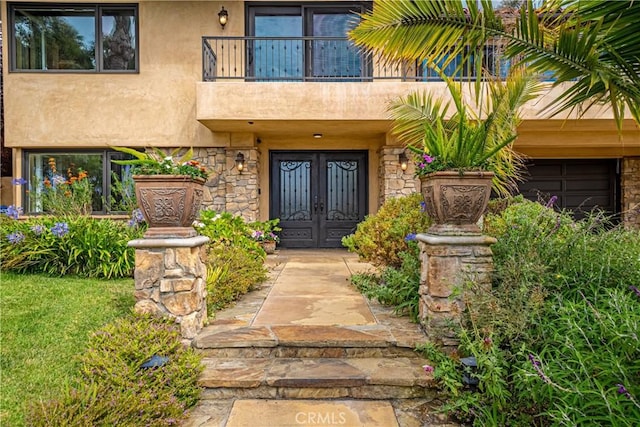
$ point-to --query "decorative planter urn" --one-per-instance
(455, 202)
(169, 203)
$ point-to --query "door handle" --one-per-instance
(321, 206)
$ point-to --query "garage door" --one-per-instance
(580, 185)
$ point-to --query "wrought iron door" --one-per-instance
(318, 196)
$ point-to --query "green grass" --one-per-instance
(45, 324)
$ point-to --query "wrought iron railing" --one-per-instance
(320, 59)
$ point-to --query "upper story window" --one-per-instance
(72, 37)
(304, 42)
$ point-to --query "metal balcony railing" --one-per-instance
(328, 59)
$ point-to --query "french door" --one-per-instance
(306, 42)
(318, 196)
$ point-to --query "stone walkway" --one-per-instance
(306, 349)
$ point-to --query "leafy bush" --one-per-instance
(556, 337)
(71, 193)
(587, 368)
(81, 245)
(115, 389)
(233, 272)
(396, 287)
(235, 262)
(380, 238)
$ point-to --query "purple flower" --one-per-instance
(58, 180)
(14, 211)
(37, 229)
(622, 390)
(551, 201)
(409, 237)
(60, 229)
(427, 158)
(136, 218)
(427, 368)
(15, 237)
(18, 181)
(423, 206)
(536, 366)
(634, 289)
(422, 165)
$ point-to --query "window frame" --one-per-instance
(107, 156)
(98, 49)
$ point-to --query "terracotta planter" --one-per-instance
(456, 202)
(269, 246)
(169, 203)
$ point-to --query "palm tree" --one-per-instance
(593, 44)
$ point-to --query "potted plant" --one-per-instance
(169, 190)
(462, 152)
(265, 233)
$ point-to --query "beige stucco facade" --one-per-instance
(166, 104)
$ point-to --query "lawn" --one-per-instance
(45, 323)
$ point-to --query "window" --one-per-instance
(73, 37)
(46, 169)
(304, 42)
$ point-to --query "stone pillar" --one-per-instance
(448, 263)
(170, 280)
(631, 192)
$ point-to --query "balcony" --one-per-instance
(264, 85)
(319, 59)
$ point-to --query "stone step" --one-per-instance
(311, 378)
(300, 412)
(296, 341)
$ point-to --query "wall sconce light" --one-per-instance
(404, 161)
(240, 162)
(223, 17)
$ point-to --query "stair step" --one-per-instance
(301, 378)
(306, 341)
(301, 412)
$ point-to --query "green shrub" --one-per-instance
(555, 338)
(380, 238)
(80, 245)
(116, 390)
(586, 370)
(71, 193)
(235, 262)
(397, 287)
(232, 272)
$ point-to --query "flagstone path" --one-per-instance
(307, 349)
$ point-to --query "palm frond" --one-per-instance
(591, 44)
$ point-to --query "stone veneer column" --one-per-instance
(395, 182)
(170, 280)
(215, 160)
(242, 197)
(448, 263)
(631, 192)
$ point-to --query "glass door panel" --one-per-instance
(282, 56)
(333, 58)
